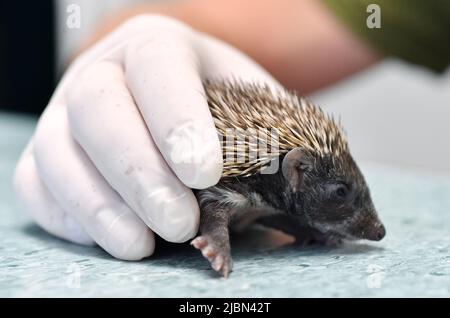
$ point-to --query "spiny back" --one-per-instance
(256, 108)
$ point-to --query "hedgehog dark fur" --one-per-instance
(315, 195)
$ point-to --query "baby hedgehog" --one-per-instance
(318, 194)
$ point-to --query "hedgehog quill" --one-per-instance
(317, 195)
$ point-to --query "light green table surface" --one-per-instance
(413, 260)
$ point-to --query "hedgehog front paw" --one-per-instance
(217, 254)
(327, 240)
(333, 242)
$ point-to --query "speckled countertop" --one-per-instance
(413, 260)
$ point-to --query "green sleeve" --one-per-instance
(417, 31)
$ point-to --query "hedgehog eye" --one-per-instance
(341, 191)
(338, 191)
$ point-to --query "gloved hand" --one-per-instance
(126, 134)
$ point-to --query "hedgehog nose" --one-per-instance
(377, 233)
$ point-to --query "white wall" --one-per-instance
(395, 113)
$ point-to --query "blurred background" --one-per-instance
(394, 112)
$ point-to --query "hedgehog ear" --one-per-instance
(294, 165)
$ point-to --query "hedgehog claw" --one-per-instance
(219, 257)
(199, 242)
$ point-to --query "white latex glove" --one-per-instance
(126, 134)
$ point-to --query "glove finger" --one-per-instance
(163, 74)
(39, 203)
(81, 190)
(108, 126)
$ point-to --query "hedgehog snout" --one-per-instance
(376, 233)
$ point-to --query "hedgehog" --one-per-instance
(286, 166)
